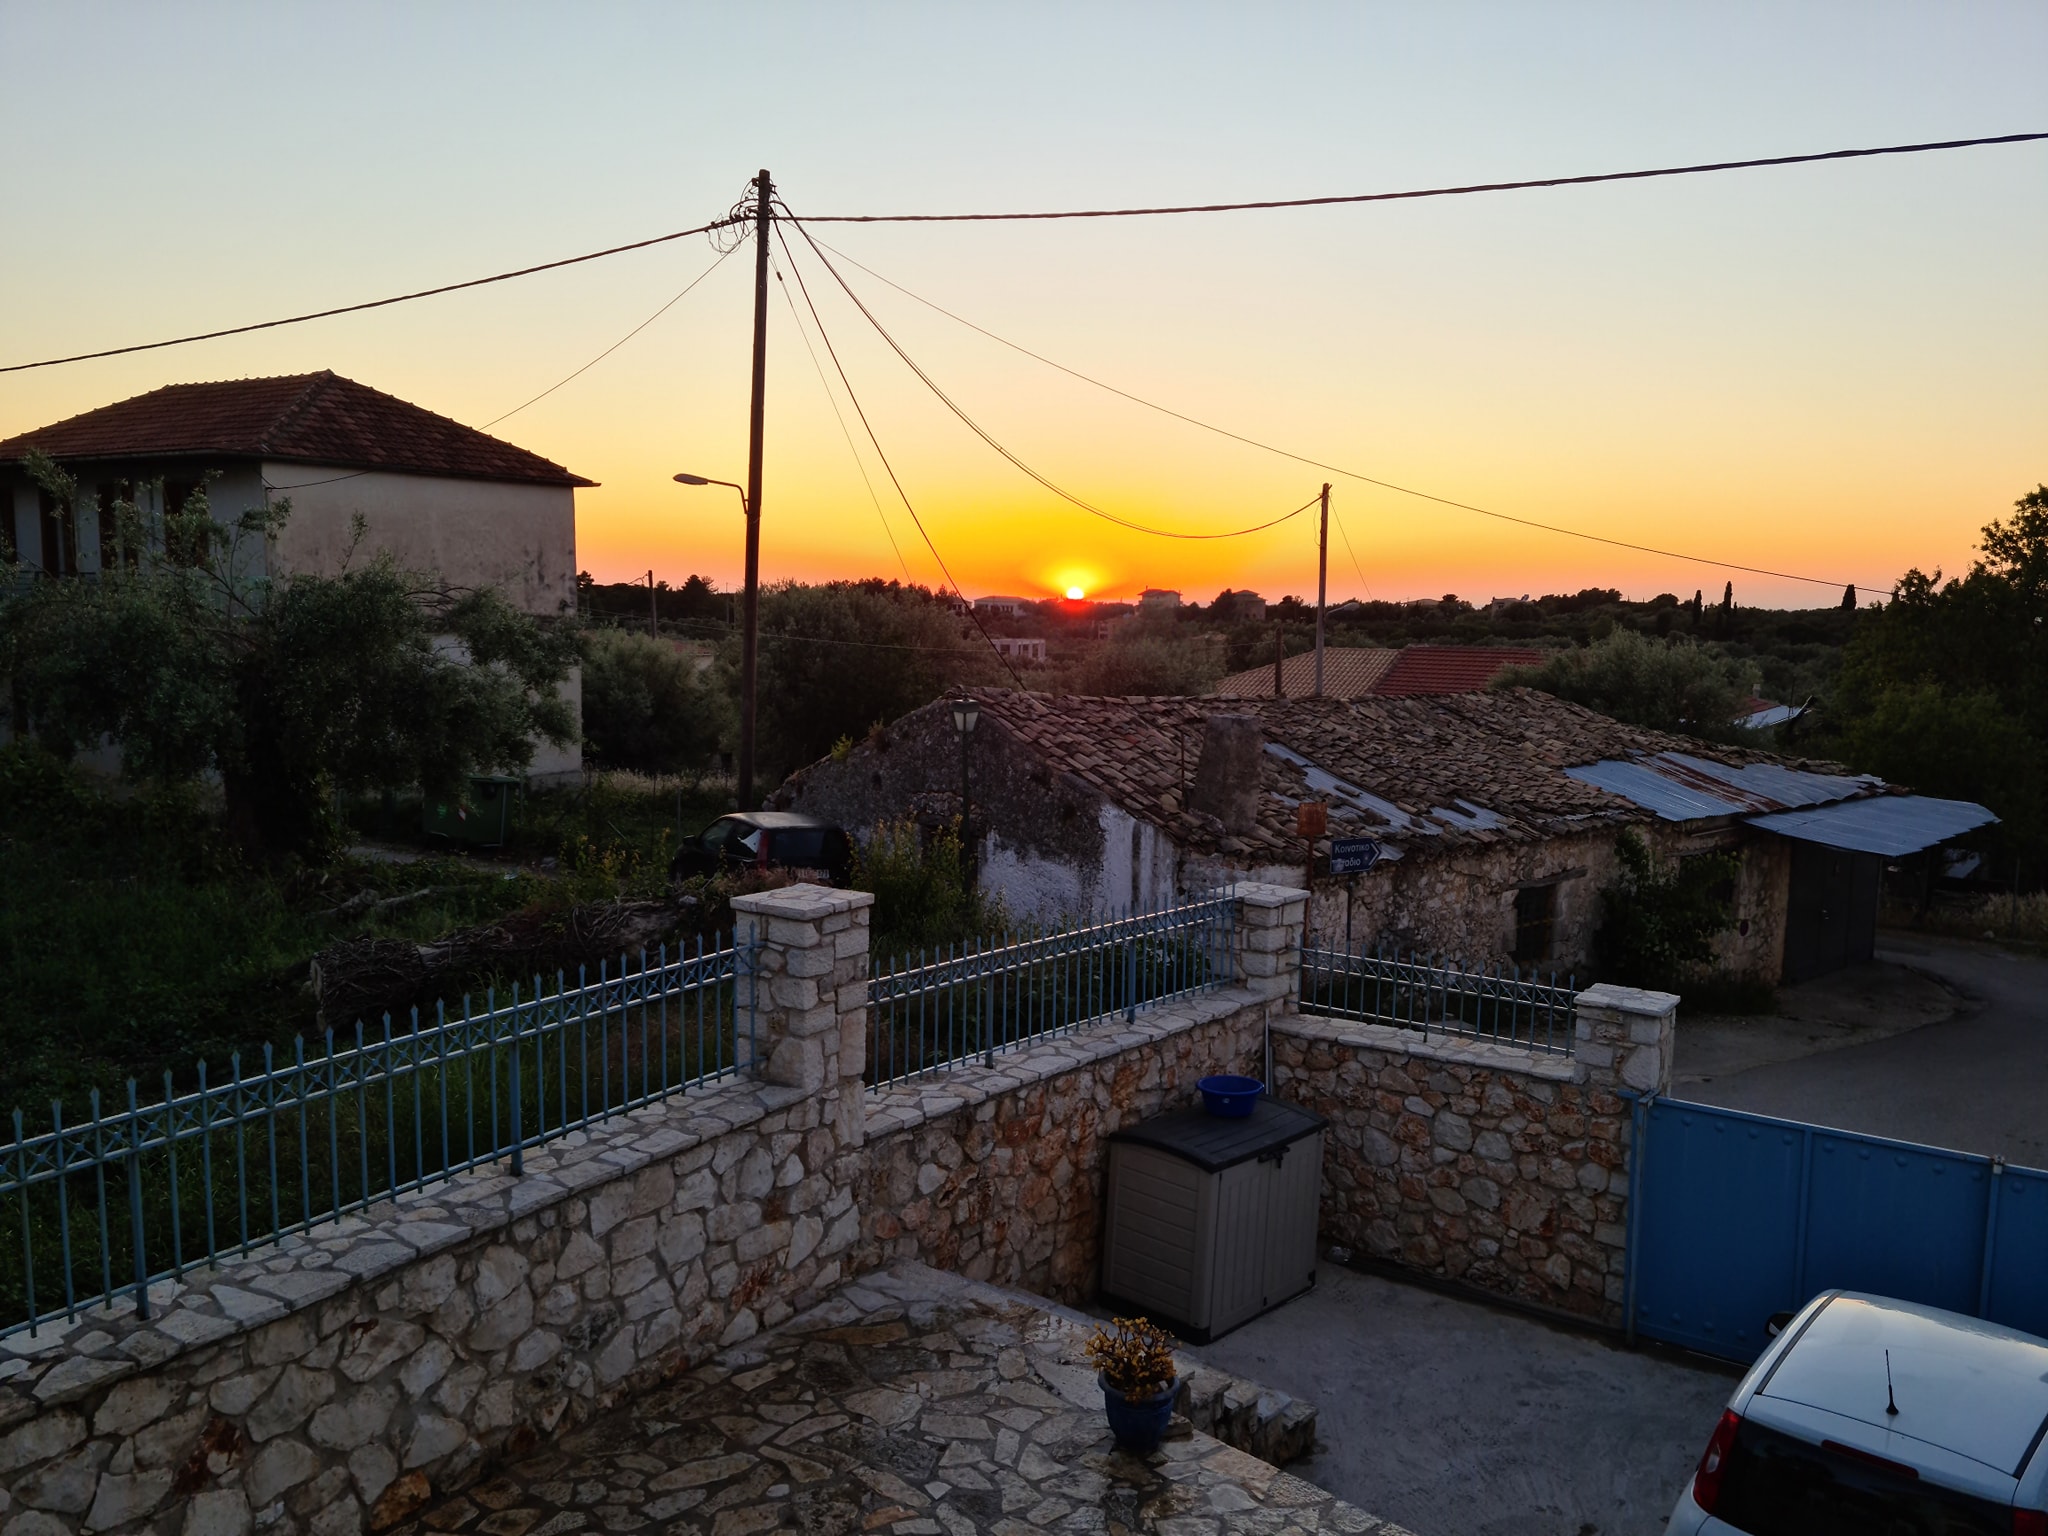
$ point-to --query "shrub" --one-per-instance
(644, 705)
(1658, 924)
(923, 896)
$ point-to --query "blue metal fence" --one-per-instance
(936, 1010)
(1735, 1217)
(1507, 1007)
(144, 1192)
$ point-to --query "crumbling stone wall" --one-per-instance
(1501, 1168)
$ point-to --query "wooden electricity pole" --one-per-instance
(750, 634)
(1322, 584)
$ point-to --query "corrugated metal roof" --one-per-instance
(1891, 825)
(1777, 784)
(1654, 792)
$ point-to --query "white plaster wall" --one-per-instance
(1031, 888)
(520, 539)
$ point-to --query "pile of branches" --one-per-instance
(368, 977)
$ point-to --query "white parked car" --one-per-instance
(1874, 1417)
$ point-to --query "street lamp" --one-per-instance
(750, 635)
(966, 716)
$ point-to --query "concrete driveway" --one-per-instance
(1975, 1080)
(1453, 1418)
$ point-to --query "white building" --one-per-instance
(1018, 647)
(1004, 607)
(440, 496)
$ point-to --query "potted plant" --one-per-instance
(1134, 1366)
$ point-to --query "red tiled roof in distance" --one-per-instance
(312, 418)
(1349, 672)
(1440, 669)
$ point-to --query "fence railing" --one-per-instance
(1507, 1006)
(142, 1192)
(936, 1010)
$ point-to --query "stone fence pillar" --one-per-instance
(809, 991)
(1626, 1037)
(1267, 945)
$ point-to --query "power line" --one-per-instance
(350, 309)
(1391, 197)
(300, 485)
(982, 433)
(868, 427)
(1351, 552)
(1337, 469)
(839, 416)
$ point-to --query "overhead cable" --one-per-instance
(982, 433)
(868, 427)
(1393, 197)
(1337, 469)
(350, 309)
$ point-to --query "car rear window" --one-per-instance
(801, 845)
(1776, 1485)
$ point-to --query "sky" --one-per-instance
(1836, 371)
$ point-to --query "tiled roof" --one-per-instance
(1349, 672)
(1437, 669)
(1419, 772)
(317, 418)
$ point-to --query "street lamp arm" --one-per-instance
(707, 480)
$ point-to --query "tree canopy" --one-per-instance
(1672, 684)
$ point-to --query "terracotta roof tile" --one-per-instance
(1440, 669)
(1349, 672)
(317, 418)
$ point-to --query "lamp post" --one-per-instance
(749, 636)
(966, 716)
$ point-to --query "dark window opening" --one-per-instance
(60, 536)
(1535, 923)
(118, 544)
(186, 539)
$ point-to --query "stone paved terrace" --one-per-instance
(911, 1402)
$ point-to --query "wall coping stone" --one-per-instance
(1253, 893)
(803, 903)
(63, 1361)
(1629, 1000)
(1456, 1050)
(905, 1106)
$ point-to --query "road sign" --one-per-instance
(1353, 855)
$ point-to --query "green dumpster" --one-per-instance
(480, 818)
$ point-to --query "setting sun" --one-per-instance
(1075, 594)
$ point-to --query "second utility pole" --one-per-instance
(750, 618)
(1322, 584)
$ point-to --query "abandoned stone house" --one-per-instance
(1496, 817)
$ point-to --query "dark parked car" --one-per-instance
(766, 840)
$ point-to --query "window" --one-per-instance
(1535, 921)
(60, 536)
(117, 544)
(1775, 1485)
(185, 539)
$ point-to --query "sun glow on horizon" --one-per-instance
(1075, 594)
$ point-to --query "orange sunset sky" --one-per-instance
(1836, 370)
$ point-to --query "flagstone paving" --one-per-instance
(912, 1402)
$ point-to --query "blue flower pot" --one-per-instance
(1229, 1097)
(1138, 1423)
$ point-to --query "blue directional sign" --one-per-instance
(1353, 855)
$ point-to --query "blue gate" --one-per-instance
(1735, 1217)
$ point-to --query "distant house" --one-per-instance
(1241, 607)
(1158, 600)
(1356, 672)
(438, 495)
(1004, 607)
(1019, 647)
(1496, 816)
(1762, 714)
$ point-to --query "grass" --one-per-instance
(2019, 922)
(134, 941)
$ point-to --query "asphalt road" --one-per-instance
(1454, 1418)
(1977, 1081)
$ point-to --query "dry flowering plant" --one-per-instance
(1133, 1356)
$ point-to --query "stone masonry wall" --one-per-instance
(1501, 1168)
(999, 1172)
(335, 1381)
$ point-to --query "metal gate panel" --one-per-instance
(1717, 1241)
(2016, 1251)
(1735, 1217)
(1895, 1219)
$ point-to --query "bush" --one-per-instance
(1668, 685)
(1658, 925)
(644, 705)
(922, 894)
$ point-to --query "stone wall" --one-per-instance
(1500, 1168)
(999, 1172)
(331, 1383)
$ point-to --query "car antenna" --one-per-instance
(1891, 1403)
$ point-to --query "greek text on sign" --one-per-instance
(1353, 855)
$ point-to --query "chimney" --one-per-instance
(1227, 774)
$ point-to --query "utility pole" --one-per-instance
(750, 636)
(653, 609)
(1322, 583)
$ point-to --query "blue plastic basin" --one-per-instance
(1230, 1098)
